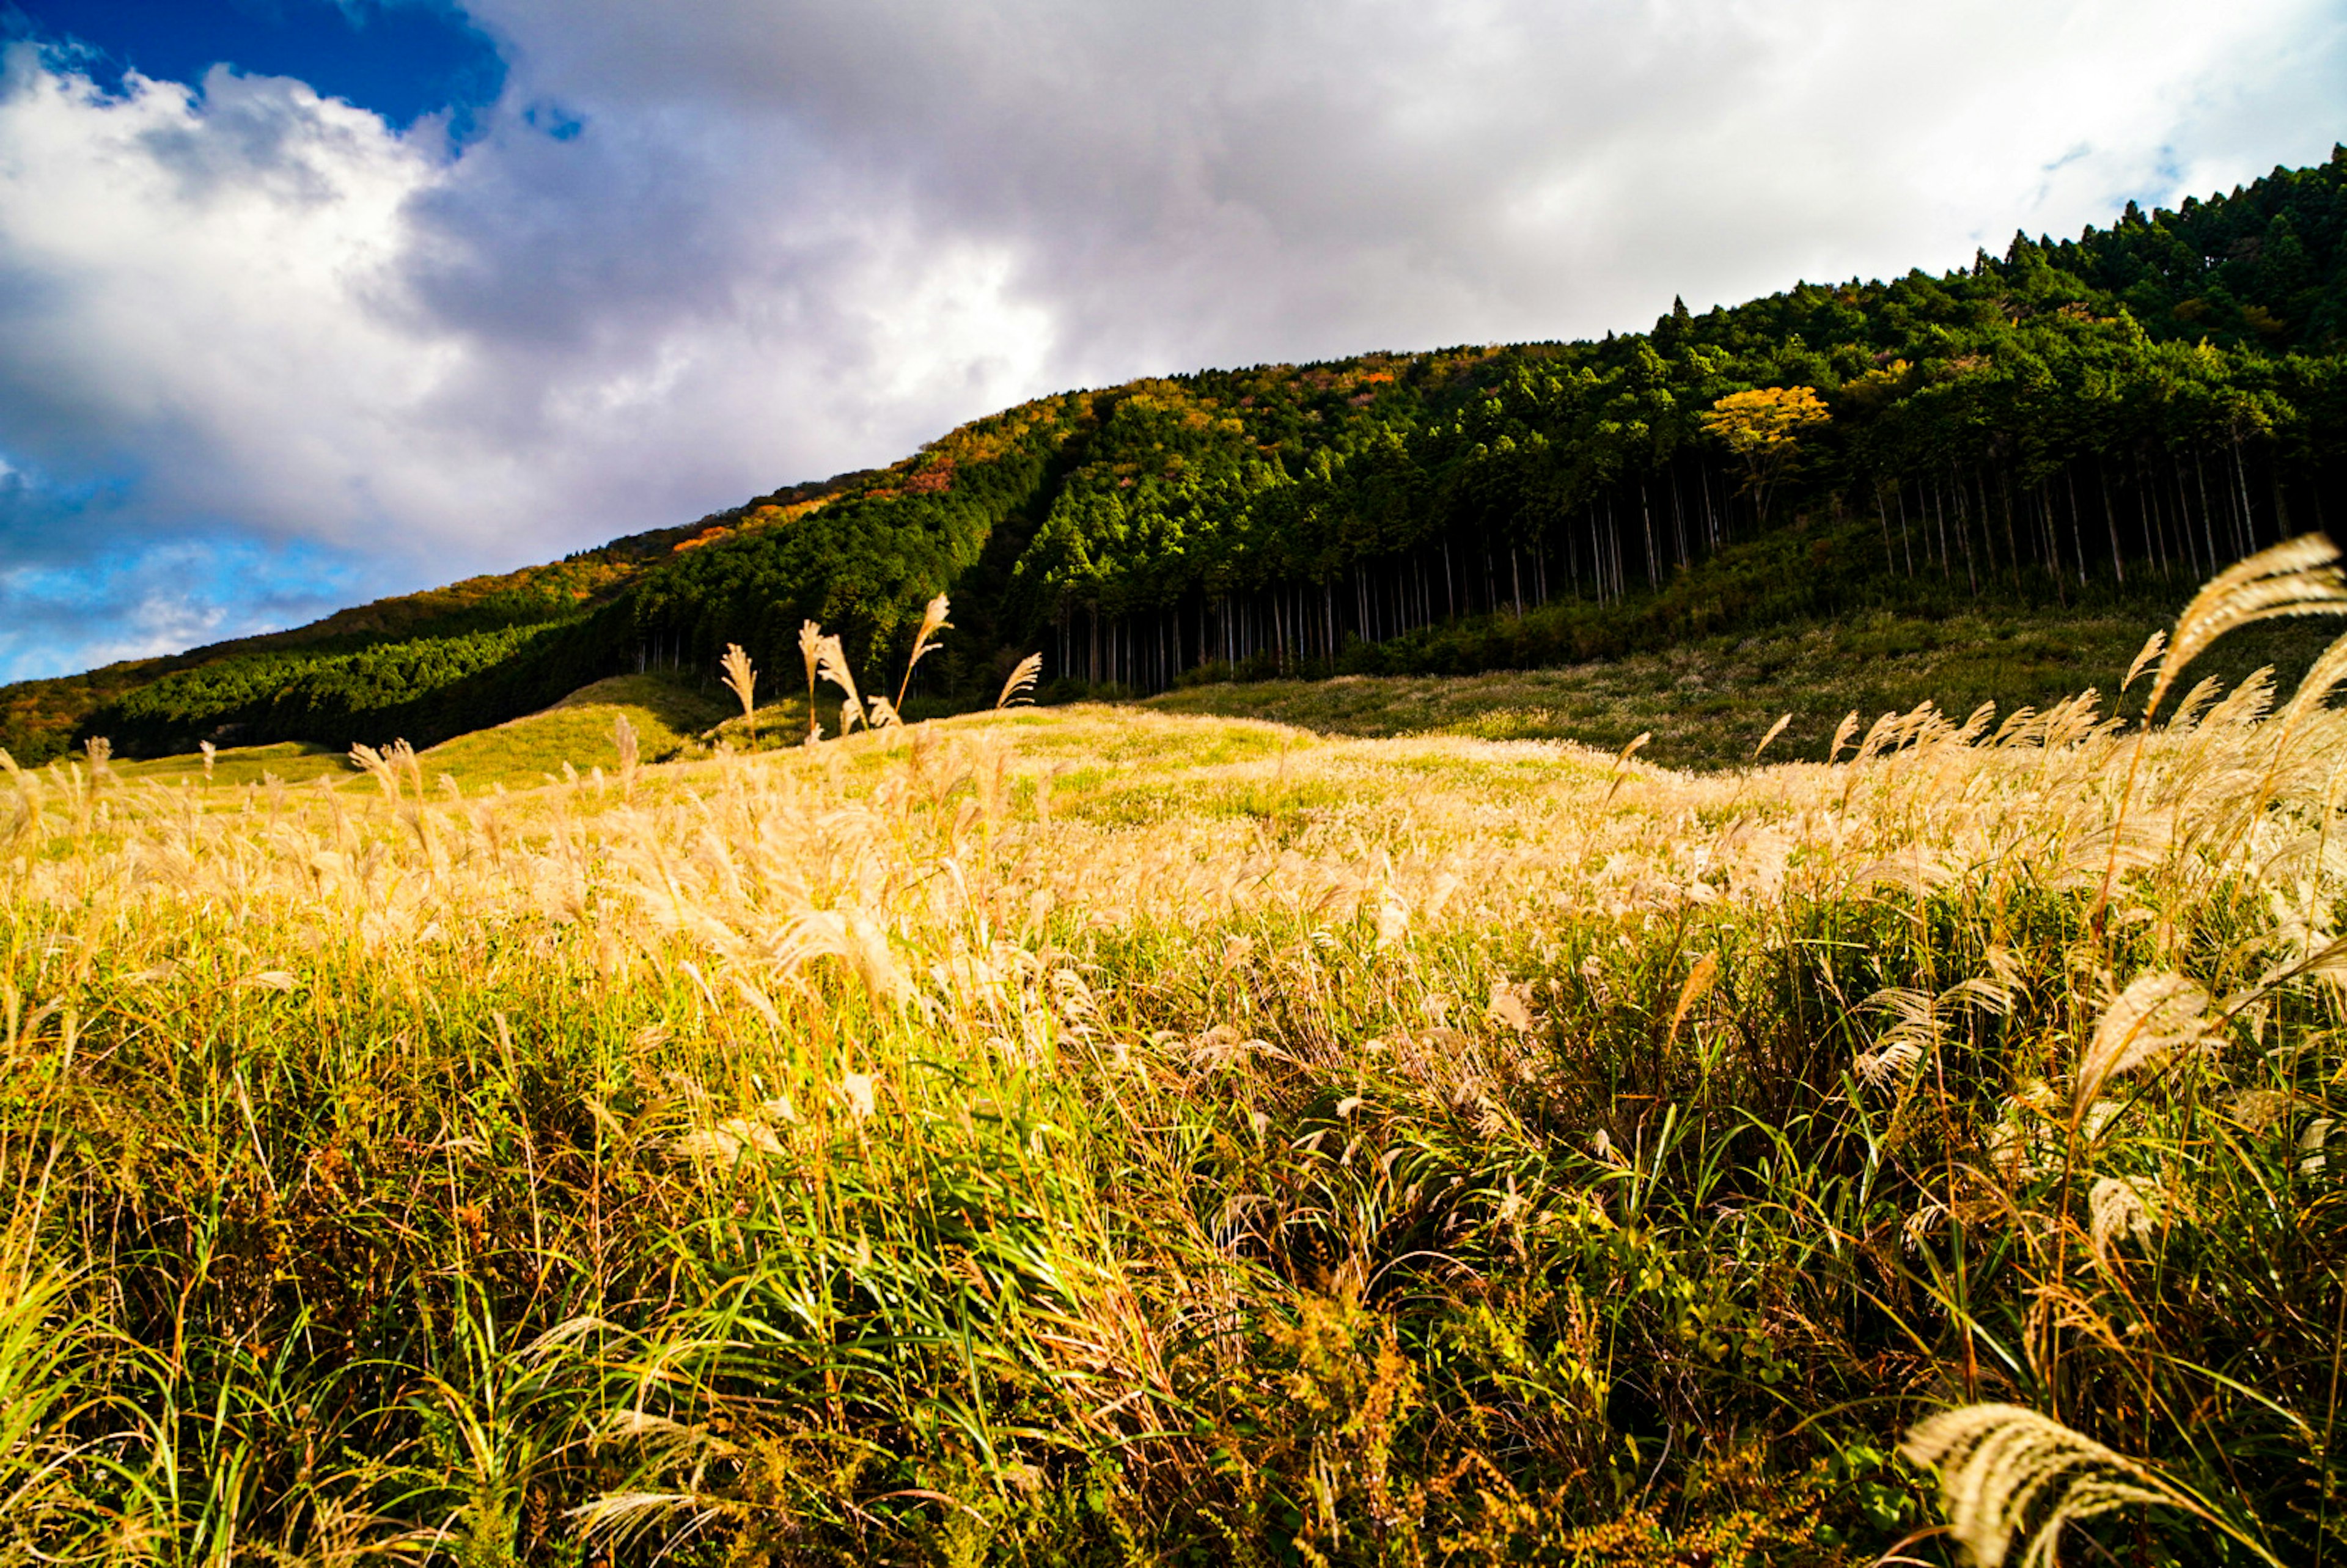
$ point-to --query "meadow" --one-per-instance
(1699, 697)
(1105, 1135)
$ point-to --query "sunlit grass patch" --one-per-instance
(529, 752)
(1708, 701)
(292, 761)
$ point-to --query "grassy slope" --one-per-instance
(522, 753)
(288, 762)
(579, 731)
(1118, 1091)
(1709, 701)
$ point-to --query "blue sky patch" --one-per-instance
(403, 59)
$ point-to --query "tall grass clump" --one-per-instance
(742, 679)
(1092, 1135)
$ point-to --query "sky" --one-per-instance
(307, 301)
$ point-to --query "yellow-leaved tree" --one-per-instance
(1764, 427)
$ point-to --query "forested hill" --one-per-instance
(2127, 409)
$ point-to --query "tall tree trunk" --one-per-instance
(1678, 513)
(2208, 513)
(2004, 494)
(2152, 532)
(1965, 528)
(1940, 514)
(1646, 513)
(2078, 538)
(2053, 542)
(2111, 517)
(2242, 479)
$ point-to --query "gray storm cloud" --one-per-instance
(792, 239)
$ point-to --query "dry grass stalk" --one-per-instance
(1842, 733)
(1621, 760)
(2145, 1025)
(1021, 684)
(2298, 576)
(378, 767)
(742, 679)
(2118, 1208)
(2153, 647)
(933, 621)
(811, 655)
(2007, 1472)
(831, 664)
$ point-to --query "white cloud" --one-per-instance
(190, 287)
(795, 238)
(1233, 181)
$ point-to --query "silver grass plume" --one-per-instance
(933, 621)
(2006, 1471)
(1921, 1019)
(376, 766)
(1021, 684)
(2144, 1025)
(1621, 760)
(401, 759)
(831, 664)
(2118, 1208)
(2204, 692)
(2297, 576)
(2153, 647)
(1842, 733)
(810, 651)
(742, 678)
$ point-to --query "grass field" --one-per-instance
(1106, 1135)
(579, 730)
(289, 762)
(1708, 700)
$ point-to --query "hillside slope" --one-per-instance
(2108, 417)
